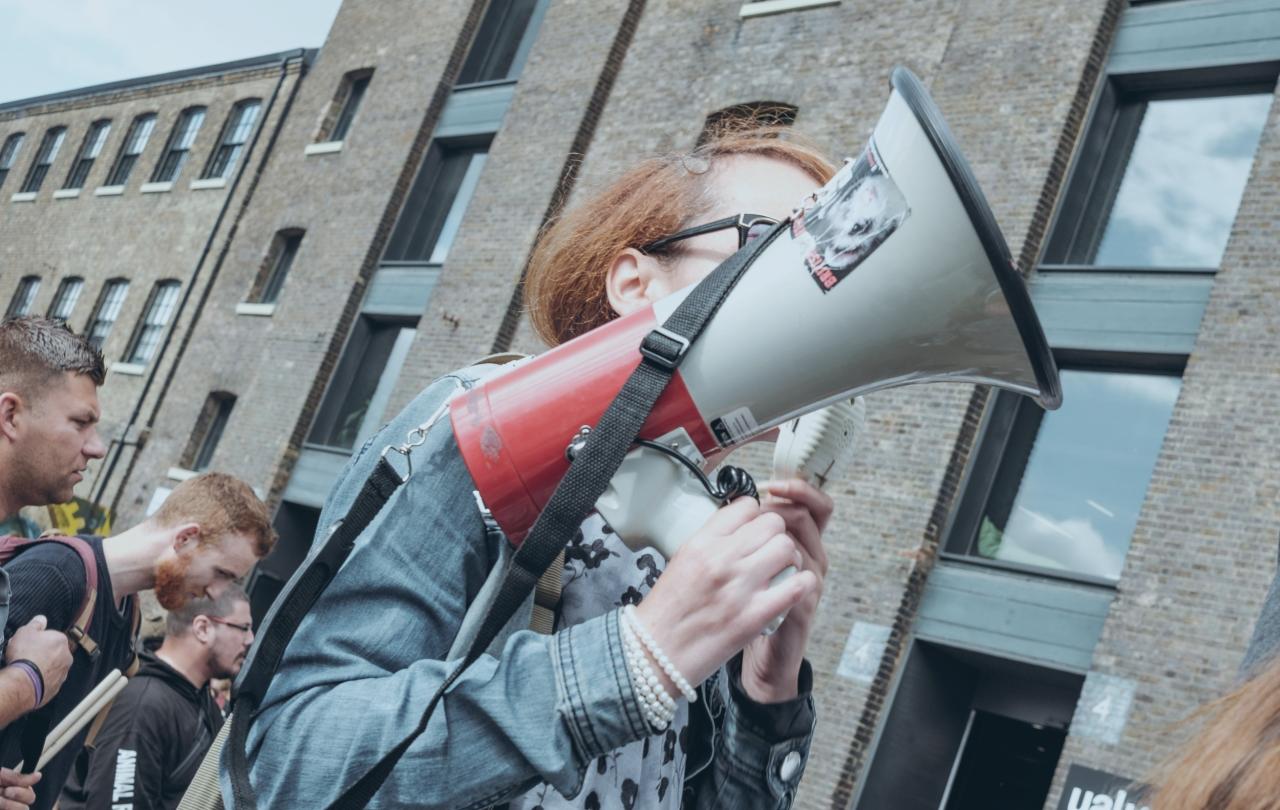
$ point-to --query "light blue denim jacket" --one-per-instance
(367, 658)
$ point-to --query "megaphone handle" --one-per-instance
(782, 576)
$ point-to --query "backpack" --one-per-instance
(12, 545)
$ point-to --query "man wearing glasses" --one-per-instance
(165, 720)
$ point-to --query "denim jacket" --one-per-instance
(367, 658)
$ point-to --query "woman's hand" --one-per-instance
(715, 597)
(771, 664)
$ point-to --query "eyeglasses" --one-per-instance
(750, 226)
(243, 628)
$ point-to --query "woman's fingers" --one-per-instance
(819, 503)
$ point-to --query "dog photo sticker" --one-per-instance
(848, 218)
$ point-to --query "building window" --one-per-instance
(89, 151)
(501, 44)
(276, 268)
(178, 148)
(9, 153)
(134, 142)
(436, 203)
(64, 300)
(24, 298)
(1062, 491)
(146, 338)
(49, 147)
(351, 94)
(235, 134)
(1161, 177)
(208, 432)
(749, 116)
(106, 312)
(361, 386)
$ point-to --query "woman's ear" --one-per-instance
(629, 280)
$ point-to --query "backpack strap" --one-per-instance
(79, 630)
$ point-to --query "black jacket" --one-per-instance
(150, 746)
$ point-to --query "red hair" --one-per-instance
(565, 287)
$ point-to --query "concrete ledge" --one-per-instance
(328, 147)
(66, 194)
(156, 188)
(180, 474)
(131, 369)
(24, 196)
(765, 7)
(212, 182)
(108, 191)
(261, 310)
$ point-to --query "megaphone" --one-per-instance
(893, 273)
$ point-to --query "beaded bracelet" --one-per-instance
(690, 694)
(657, 707)
(34, 673)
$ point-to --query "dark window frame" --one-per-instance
(275, 269)
(1010, 418)
(9, 153)
(478, 67)
(94, 140)
(351, 93)
(418, 244)
(228, 151)
(50, 146)
(105, 300)
(208, 431)
(140, 330)
(70, 287)
(177, 147)
(25, 294)
(325, 426)
(748, 115)
(1100, 164)
(131, 148)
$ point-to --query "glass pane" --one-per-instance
(23, 298)
(1182, 185)
(493, 52)
(108, 311)
(1086, 476)
(459, 207)
(353, 386)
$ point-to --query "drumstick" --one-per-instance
(82, 718)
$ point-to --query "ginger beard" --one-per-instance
(171, 582)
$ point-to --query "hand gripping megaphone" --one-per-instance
(893, 273)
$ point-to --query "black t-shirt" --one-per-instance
(49, 579)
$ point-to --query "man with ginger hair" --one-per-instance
(208, 533)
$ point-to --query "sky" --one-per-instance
(47, 46)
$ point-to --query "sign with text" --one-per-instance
(1087, 789)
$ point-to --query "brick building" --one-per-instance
(1014, 597)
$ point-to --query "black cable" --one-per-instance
(731, 482)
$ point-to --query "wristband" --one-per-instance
(36, 676)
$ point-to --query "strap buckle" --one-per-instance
(663, 354)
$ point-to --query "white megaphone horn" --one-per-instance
(892, 273)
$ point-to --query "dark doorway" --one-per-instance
(296, 526)
(1004, 763)
(966, 729)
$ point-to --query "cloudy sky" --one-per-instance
(47, 46)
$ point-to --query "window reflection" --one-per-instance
(1183, 182)
(1068, 495)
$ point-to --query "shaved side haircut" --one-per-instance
(35, 351)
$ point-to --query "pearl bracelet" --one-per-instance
(657, 707)
(690, 694)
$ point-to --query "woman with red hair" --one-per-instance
(657, 688)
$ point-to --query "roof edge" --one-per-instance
(307, 55)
